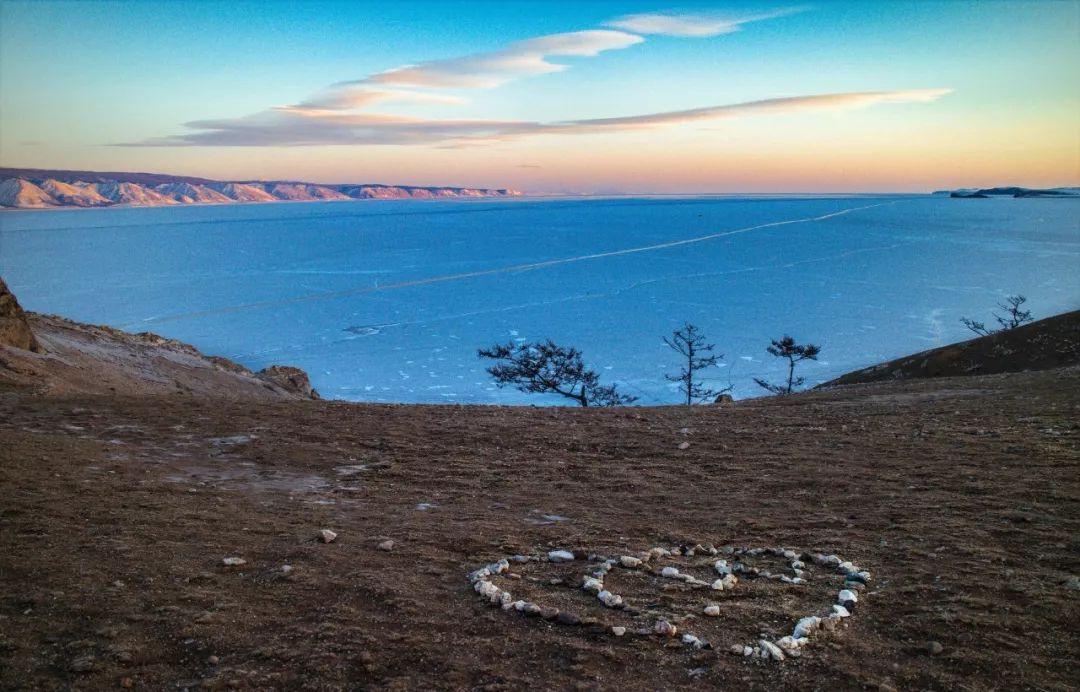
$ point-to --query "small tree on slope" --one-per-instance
(1014, 316)
(546, 368)
(691, 345)
(795, 353)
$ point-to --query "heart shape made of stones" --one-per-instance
(729, 566)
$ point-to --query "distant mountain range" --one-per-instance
(34, 188)
(972, 193)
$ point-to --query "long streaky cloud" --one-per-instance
(495, 68)
(309, 127)
(353, 98)
(691, 25)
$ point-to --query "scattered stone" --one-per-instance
(736, 649)
(609, 599)
(618, 631)
(841, 611)
(665, 628)
(560, 556)
(712, 610)
(934, 648)
(213, 660)
(848, 595)
(327, 536)
(691, 640)
(386, 545)
(233, 561)
(684, 445)
(127, 683)
(629, 562)
(670, 572)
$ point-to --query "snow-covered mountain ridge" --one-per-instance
(41, 189)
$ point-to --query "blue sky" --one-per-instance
(78, 78)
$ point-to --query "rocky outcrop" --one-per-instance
(14, 329)
(289, 378)
(53, 355)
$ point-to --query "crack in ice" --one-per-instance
(530, 266)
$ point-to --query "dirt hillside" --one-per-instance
(1053, 342)
(74, 358)
(175, 542)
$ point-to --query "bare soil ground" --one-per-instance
(960, 495)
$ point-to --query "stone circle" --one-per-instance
(729, 568)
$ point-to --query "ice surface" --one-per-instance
(388, 301)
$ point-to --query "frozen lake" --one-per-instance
(388, 301)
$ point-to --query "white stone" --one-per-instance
(618, 631)
(386, 545)
(629, 562)
(805, 626)
(712, 610)
(609, 599)
(327, 536)
(848, 595)
(560, 556)
(717, 585)
(721, 567)
(670, 572)
(233, 561)
(593, 585)
(771, 649)
(841, 611)
(693, 641)
(730, 581)
(748, 651)
(665, 628)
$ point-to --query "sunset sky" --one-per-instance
(550, 97)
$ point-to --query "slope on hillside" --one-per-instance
(304, 192)
(241, 192)
(133, 194)
(17, 192)
(74, 194)
(52, 355)
(189, 193)
(1048, 343)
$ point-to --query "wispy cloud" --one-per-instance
(299, 127)
(495, 68)
(692, 25)
(342, 113)
(353, 98)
